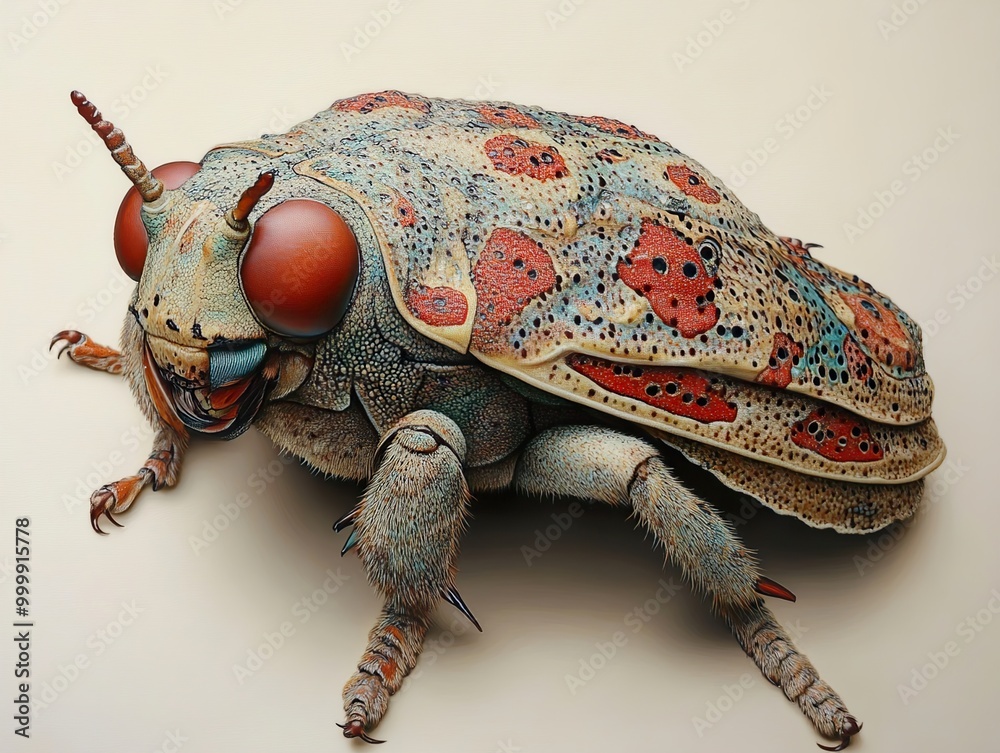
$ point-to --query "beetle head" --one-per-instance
(223, 279)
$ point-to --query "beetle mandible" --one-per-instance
(441, 297)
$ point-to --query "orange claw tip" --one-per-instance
(768, 587)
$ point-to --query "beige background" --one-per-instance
(179, 77)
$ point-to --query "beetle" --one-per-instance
(442, 297)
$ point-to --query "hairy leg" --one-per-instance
(406, 531)
(599, 463)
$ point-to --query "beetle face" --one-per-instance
(204, 354)
(215, 289)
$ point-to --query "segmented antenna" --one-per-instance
(237, 218)
(149, 187)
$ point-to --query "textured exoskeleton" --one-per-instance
(440, 297)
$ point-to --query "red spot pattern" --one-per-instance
(857, 361)
(682, 392)
(438, 307)
(671, 276)
(519, 157)
(403, 210)
(879, 329)
(837, 435)
(511, 270)
(610, 125)
(692, 184)
(506, 116)
(785, 353)
(365, 103)
(610, 156)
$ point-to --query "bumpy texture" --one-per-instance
(822, 503)
(598, 263)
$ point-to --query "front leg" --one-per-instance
(82, 350)
(406, 531)
(160, 469)
(163, 465)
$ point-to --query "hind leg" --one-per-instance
(599, 463)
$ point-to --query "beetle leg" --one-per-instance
(407, 527)
(598, 463)
(82, 350)
(161, 469)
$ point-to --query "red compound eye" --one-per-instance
(300, 268)
(131, 242)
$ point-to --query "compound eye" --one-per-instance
(131, 242)
(300, 268)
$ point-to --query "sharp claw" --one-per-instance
(156, 483)
(107, 514)
(102, 509)
(768, 587)
(347, 520)
(70, 336)
(452, 597)
(357, 729)
(851, 728)
(352, 541)
(844, 742)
